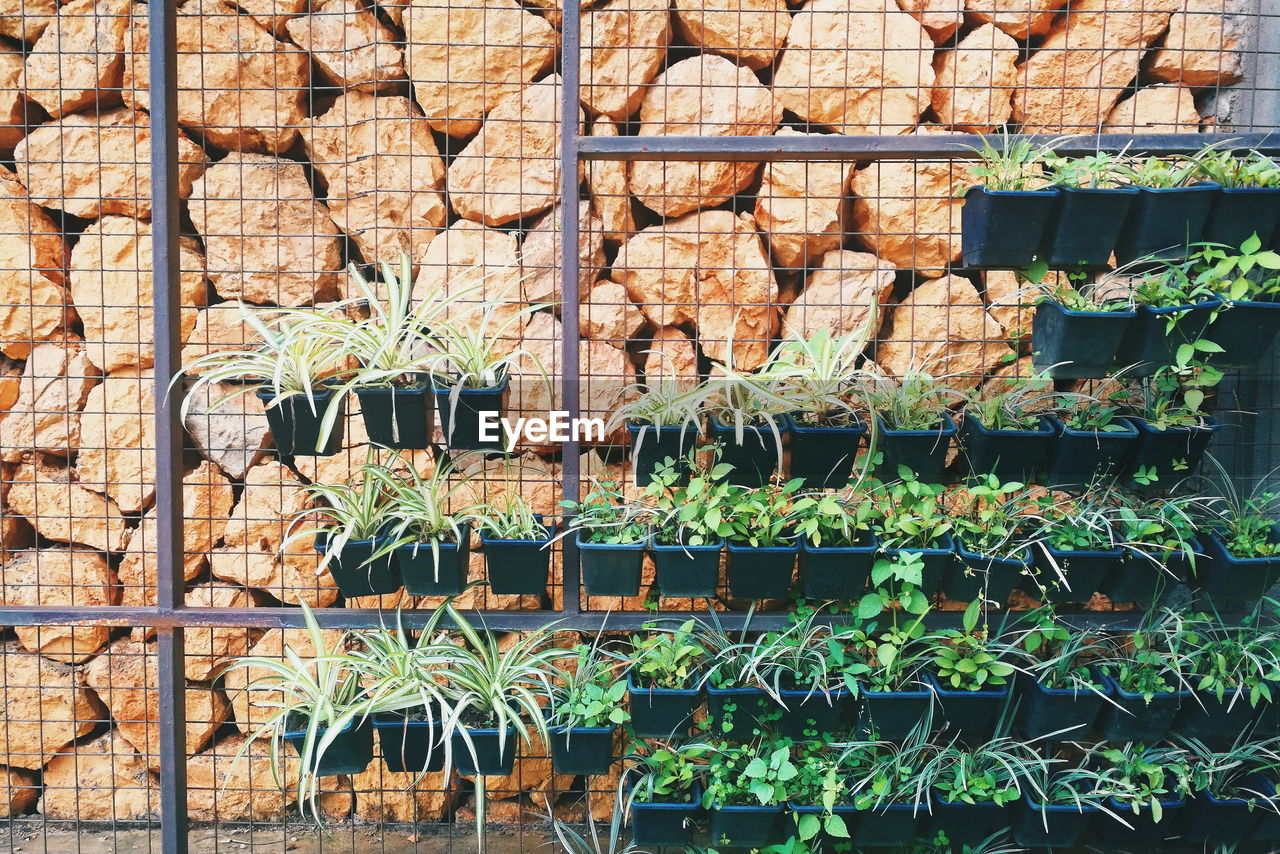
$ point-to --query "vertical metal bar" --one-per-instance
(162, 23)
(570, 192)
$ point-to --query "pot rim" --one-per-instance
(1044, 431)
(961, 693)
(670, 692)
(947, 428)
(1070, 312)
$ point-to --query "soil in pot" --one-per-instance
(611, 569)
(836, 572)
(1150, 344)
(295, 425)
(686, 571)
(889, 826)
(823, 456)
(1204, 716)
(892, 715)
(1144, 832)
(1245, 332)
(661, 712)
(399, 416)
(1131, 717)
(1228, 583)
(937, 561)
(922, 451)
(1163, 222)
(492, 757)
(1086, 226)
(1012, 455)
(971, 715)
(761, 573)
(757, 458)
(811, 715)
(518, 567)
(1076, 344)
(745, 827)
(357, 573)
(1080, 457)
(410, 744)
(1169, 455)
(1050, 826)
(1066, 714)
(1241, 212)
(350, 752)
(1004, 228)
(735, 713)
(581, 750)
(972, 575)
(651, 445)
(461, 414)
(441, 571)
(1084, 571)
(657, 823)
(1229, 821)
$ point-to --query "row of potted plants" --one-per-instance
(403, 352)
(1072, 213)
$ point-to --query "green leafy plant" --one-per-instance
(1226, 167)
(343, 513)
(1175, 397)
(1016, 164)
(1099, 170)
(1157, 172)
(669, 773)
(1099, 412)
(1018, 405)
(606, 516)
(510, 517)
(661, 402)
(1245, 770)
(753, 774)
(916, 401)
(995, 519)
(1249, 273)
(1144, 776)
(1245, 521)
(991, 773)
(692, 512)
(896, 657)
(589, 839)
(1152, 659)
(909, 517)
(1059, 656)
(807, 655)
(589, 691)
(884, 773)
(969, 658)
(1240, 661)
(760, 517)
(820, 782)
(667, 657)
(844, 518)
(824, 375)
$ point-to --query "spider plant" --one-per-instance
(1018, 406)
(806, 658)
(510, 517)
(343, 514)
(1245, 522)
(606, 516)
(591, 840)
(424, 511)
(991, 773)
(1152, 659)
(824, 375)
(886, 773)
(1059, 656)
(1231, 661)
(1016, 164)
(916, 401)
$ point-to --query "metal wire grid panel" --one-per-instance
(740, 171)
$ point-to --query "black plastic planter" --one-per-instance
(1065, 713)
(518, 567)
(1050, 826)
(761, 573)
(1085, 572)
(974, 575)
(295, 426)
(350, 752)
(1230, 821)
(1163, 222)
(656, 823)
(745, 827)
(892, 715)
(1004, 228)
(1136, 718)
(972, 715)
(757, 458)
(1150, 344)
(937, 561)
(736, 712)
(922, 451)
(686, 571)
(1146, 582)
(410, 746)
(398, 416)
(651, 445)
(968, 824)
(1086, 226)
(1204, 716)
(611, 570)
(813, 715)
(889, 826)
(1011, 455)
(356, 574)
(460, 417)
(823, 456)
(492, 758)
(1244, 331)
(661, 712)
(1170, 454)
(1144, 832)
(1268, 827)
(1241, 212)
(1229, 583)
(836, 572)
(1080, 457)
(438, 572)
(1068, 344)
(581, 750)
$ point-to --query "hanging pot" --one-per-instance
(1143, 831)
(651, 445)
(1066, 714)
(1011, 455)
(1050, 825)
(686, 571)
(1002, 229)
(355, 570)
(836, 572)
(974, 575)
(1080, 457)
(762, 572)
(463, 414)
(1086, 226)
(745, 826)
(581, 750)
(295, 422)
(611, 569)
(971, 715)
(1149, 344)
(1204, 716)
(350, 752)
(398, 416)
(968, 824)
(1084, 571)
(811, 715)
(495, 751)
(891, 715)
(1169, 454)
(735, 713)
(756, 459)
(1165, 221)
(518, 567)
(1244, 330)
(1240, 212)
(660, 823)
(442, 572)
(823, 457)
(1229, 821)
(1067, 344)
(661, 712)
(1146, 582)
(1228, 583)
(410, 746)
(922, 451)
(1131, 717)
(889, 825)
(937, 560)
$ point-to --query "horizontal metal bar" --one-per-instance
(907, 147)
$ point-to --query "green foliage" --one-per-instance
(1249, 273)
(755, 774)
(1229, 169)
(991, 773)
(1097, 170)
(668, 773)
(1016, 164)
(915, 401)
(606, 516)
(1157, 172)
(510, 518)
(1018, 406)
(968, 659)
(690, 513)
(995, 519)
(1144, 776)
(589, 692)
(1242, 660)
(819, 782)
(760, 517)
(833, 519)
(666, 657)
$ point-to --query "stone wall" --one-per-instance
(314, 135)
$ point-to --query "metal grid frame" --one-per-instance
(171, 616)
